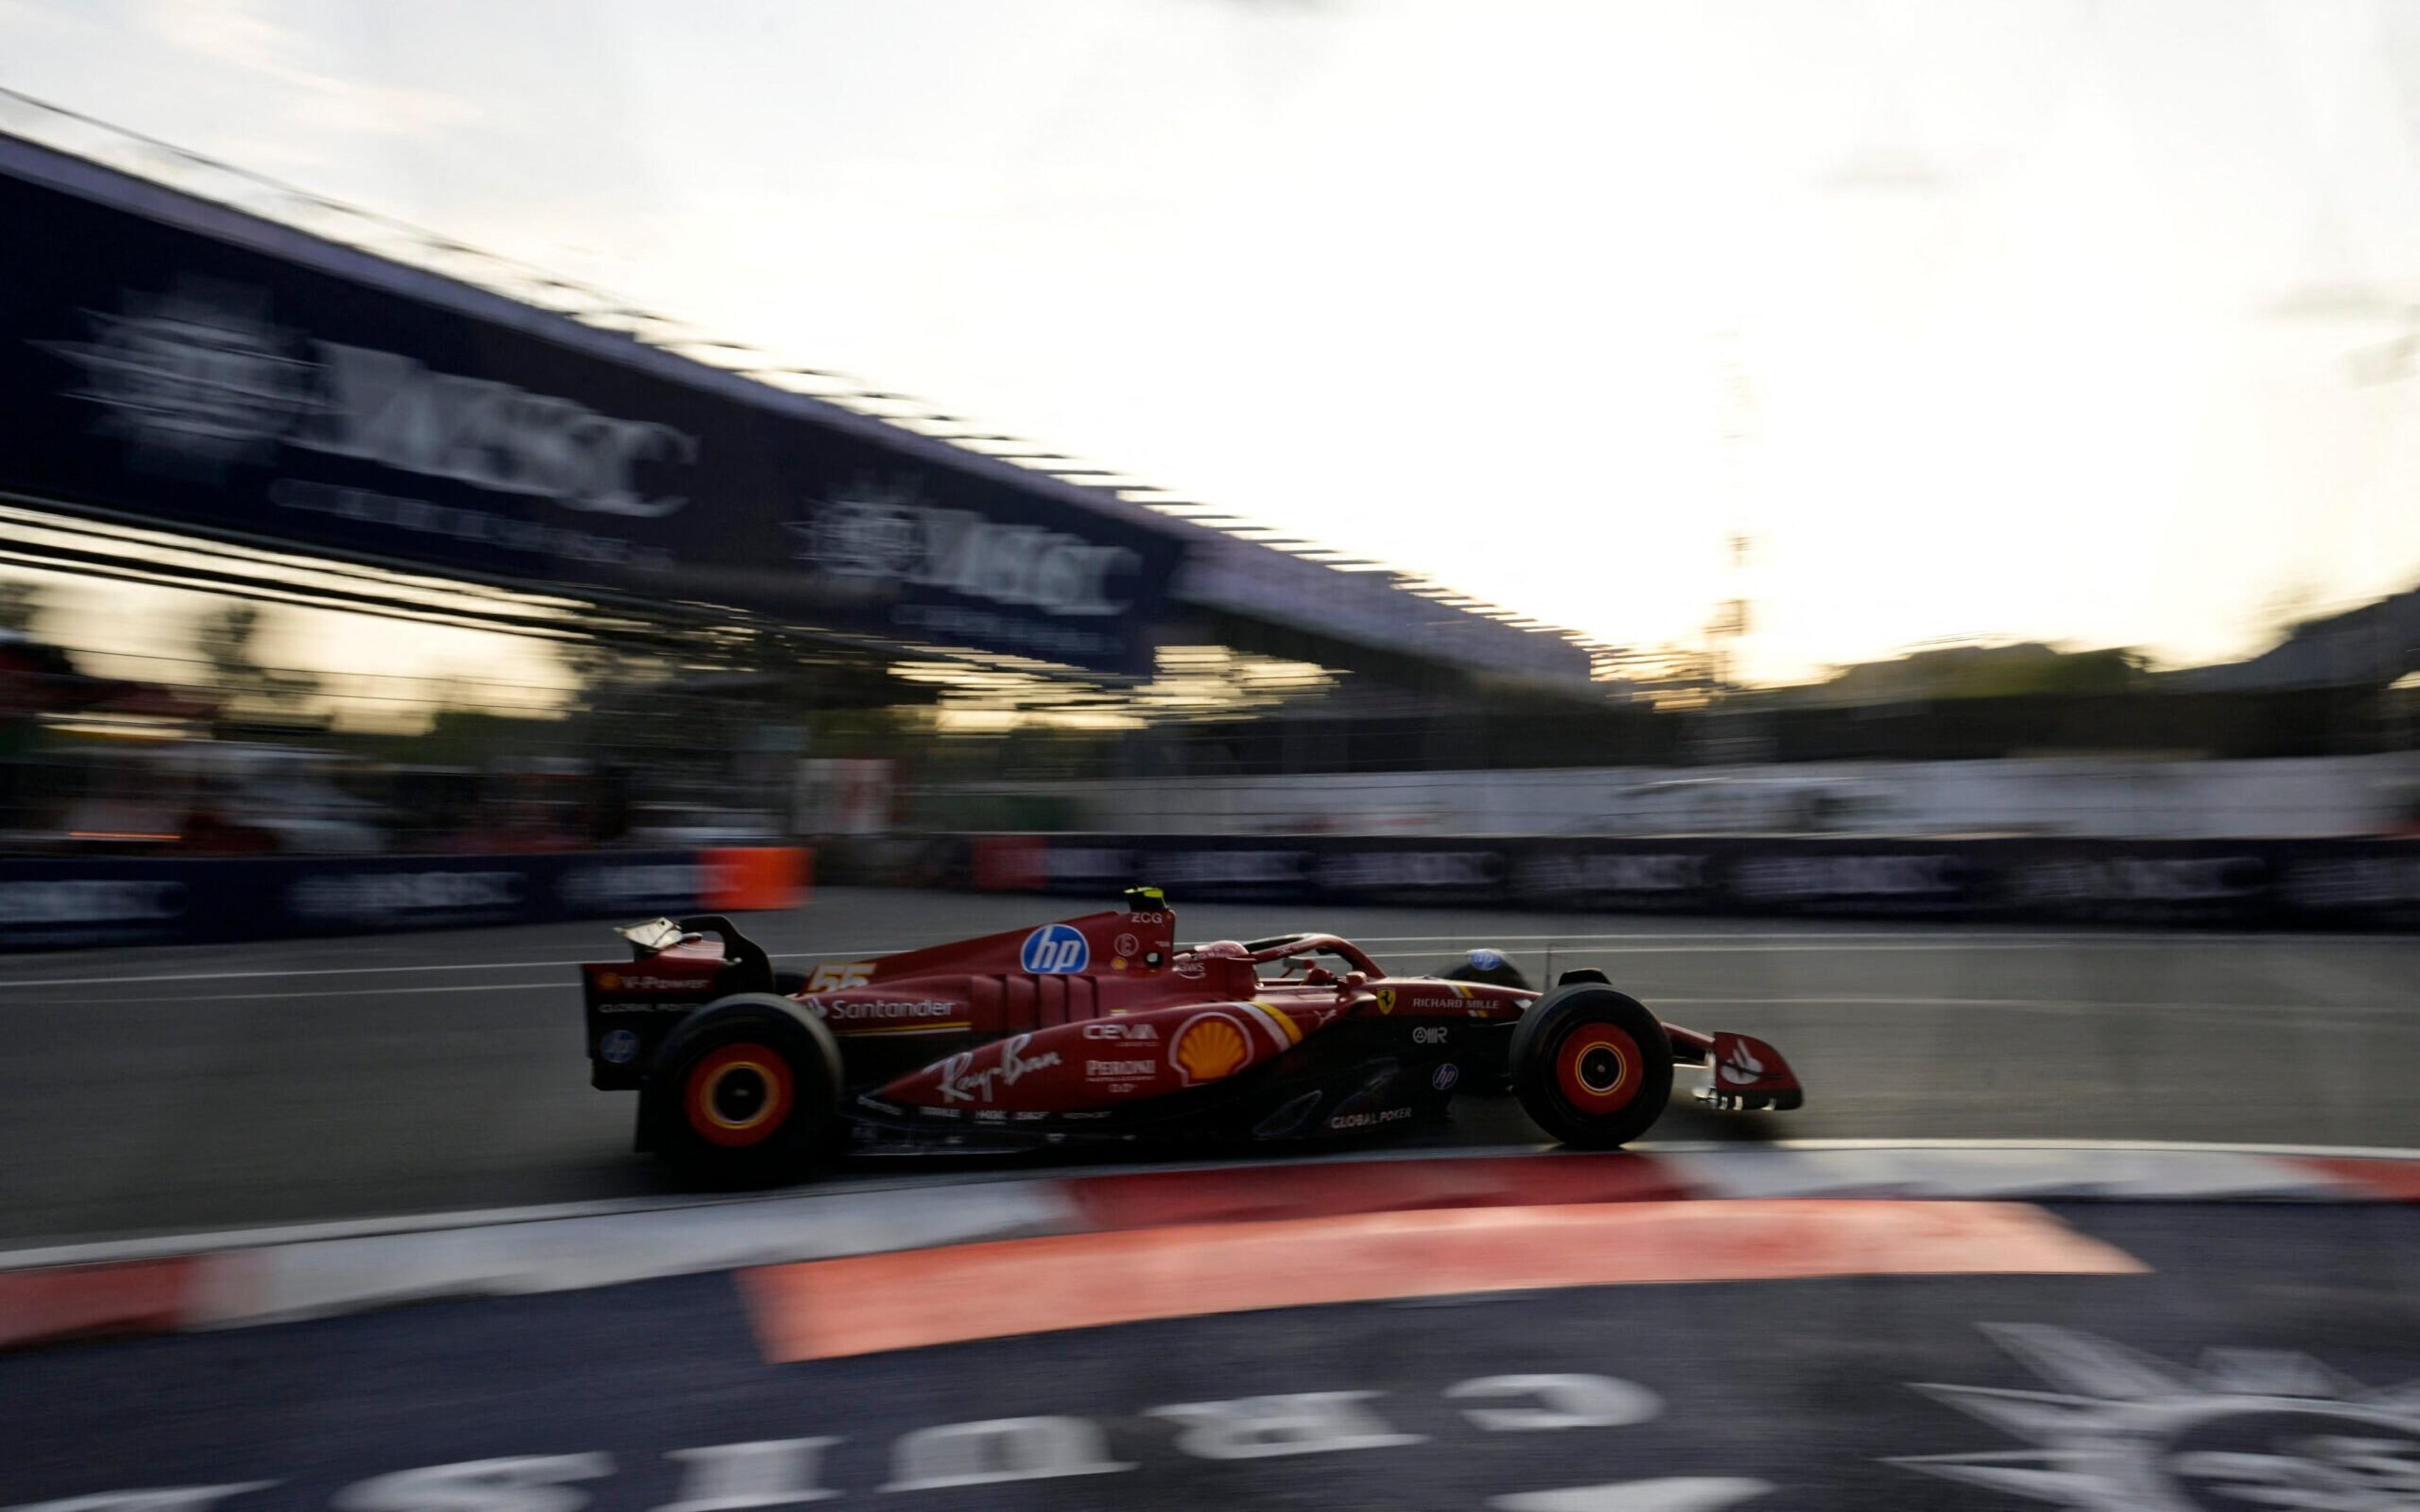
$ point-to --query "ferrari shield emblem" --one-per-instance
(1386, 999)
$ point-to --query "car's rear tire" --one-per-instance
(743, 1092)
(1591, 1066)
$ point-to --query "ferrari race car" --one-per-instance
(1103, 1030)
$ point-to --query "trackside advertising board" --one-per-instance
(2362, 884)
(85, 902)
(214, 373)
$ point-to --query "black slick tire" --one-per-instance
(744, 1092)
(1591, 1066)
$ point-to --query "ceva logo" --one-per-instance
(1055, 949)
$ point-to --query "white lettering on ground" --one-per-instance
(776, 1473)
(1673, 1493)
(1563, 1402)
(999, 1449)
(1302, 1423)
(734, 1477)
(156, 1499)
(533, 1483)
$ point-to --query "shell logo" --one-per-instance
(1210, 1046)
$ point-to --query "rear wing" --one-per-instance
(629, 1005)
(647, 938)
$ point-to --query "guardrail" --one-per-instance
(2365, 884)
(87, 902)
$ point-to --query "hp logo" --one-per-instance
(616, 1046)
(1055, 949)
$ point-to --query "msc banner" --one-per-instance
(235, 388)
(2263, 884)
(74, 901)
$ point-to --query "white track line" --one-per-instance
(30, 983)
(2115, 1004)
(557, 984)
(1561, 944)
(160, 1245)
(2303, 1011)
(1915, 930)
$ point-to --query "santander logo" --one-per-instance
(1741, 1067)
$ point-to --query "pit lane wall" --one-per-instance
(49, 903)
(2279, 884)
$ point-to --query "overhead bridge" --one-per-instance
(292, 399)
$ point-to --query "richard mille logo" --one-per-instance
(2248, 1428)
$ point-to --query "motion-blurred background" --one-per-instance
(1803, 513)
(1932, 458)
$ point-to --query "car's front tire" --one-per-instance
(1591, 1066)
(744, 1092)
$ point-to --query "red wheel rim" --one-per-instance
(1598, 1067)
(737, 1095)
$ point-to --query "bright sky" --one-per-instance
(1448, 280)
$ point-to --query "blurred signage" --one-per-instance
(161, 371)
(65, 901)
(2362, 884)
(844, 795)
(2372, 885)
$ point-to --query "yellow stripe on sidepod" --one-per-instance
(1287, 1027)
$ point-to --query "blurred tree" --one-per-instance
(226, 638)
(1989, 672)
(20, 604)
(2289, 605)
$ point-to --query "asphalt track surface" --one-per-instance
(2265, 1357)
(180, 1089)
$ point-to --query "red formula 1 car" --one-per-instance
(1102, 1031)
